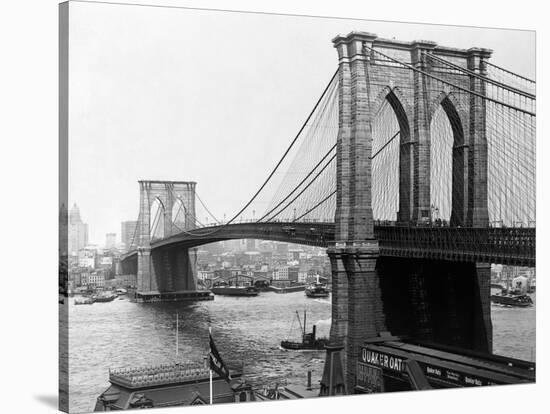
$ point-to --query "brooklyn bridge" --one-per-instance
(415, 169)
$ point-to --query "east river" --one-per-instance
(125, 334)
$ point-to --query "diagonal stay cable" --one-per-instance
(314, 207)
(385, 145)
(298, 185)
(305, 188)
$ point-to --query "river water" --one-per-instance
(125, 334)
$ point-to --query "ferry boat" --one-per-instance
(309, 340)
(317, 290)
(287, 289)
(222, 288)
(169, 385)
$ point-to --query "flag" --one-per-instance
(216, 361)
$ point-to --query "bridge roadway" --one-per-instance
(511, 246)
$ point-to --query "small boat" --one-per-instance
(309, 340)
(317, 290)
(104, 297)
(514, 294)
(521, 300)
(84, 301)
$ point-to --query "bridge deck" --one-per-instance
(513, 246)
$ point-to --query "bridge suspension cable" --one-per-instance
(300, 184)
(510, 123)
(304, 189)
(460, 88)
(508, 77)
(312, 123)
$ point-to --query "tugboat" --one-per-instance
(514, 297)
(317, 290)
(84, 301)
(309, 340)
(104, 297)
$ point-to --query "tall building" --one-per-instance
(78, 231)
(63, 230)
(127, 234)
(110, 240)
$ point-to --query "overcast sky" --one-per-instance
(212, 97)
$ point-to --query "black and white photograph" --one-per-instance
(269, 205)
(256, 214)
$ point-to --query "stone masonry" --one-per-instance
(168, 270)
(442, 301)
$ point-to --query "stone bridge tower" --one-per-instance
(373, 294)
(172, 269)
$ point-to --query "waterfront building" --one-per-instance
(293, 273)
(125, 281)
(302, 274)
(295, 254)
(205, 274)
(280, 273)
(96, 279)
(87, 258)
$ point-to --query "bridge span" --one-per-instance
(511, 246)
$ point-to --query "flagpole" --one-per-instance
(177, 337)
(210, 366)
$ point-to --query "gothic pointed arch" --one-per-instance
(393, 97)
(449, 104)
(157, 212)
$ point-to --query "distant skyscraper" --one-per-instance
(63, 230)
(250, 244)
(78, 231)
(110, 240)
(127, 233)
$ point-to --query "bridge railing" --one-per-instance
(500, 245)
